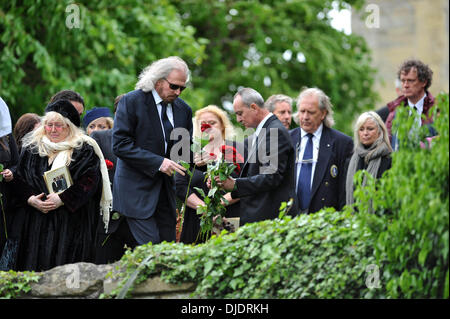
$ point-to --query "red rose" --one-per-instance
(226, 149)
(109, 164)
(204, 127)
(239, 158)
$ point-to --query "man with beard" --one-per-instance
(144, 188)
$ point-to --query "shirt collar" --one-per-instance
(317, 133)
(261, 124)
(419, 104)
(156, 96)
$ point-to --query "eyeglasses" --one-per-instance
(409, 81)
(175, 86)
(57, 126)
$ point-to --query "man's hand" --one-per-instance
(169, 167)
(227, 184)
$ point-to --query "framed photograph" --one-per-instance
(58, 180)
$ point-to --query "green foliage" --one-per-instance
(14, 284)
(311, 256)
(279, 47)
(411, 244)
(401, 248)
(101, 59)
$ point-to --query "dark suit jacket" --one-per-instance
(104, 141)
(138, 143)
(328, 188)
(261, 186)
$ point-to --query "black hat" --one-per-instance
(66, 109)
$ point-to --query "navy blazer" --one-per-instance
(264, 184)
(328, 187)
(139, 145)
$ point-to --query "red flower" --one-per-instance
(109, 164)
(204, 127)
(226, 149)
(231, 155)
(239, 158)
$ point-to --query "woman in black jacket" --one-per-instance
(372, 150)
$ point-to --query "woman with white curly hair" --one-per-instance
(59, 228)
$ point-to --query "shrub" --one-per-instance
(399, 251)
(411, 244)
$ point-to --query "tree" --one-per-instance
(279, 47)
(93, 47)
(98, 49)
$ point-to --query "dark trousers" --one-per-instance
(161, 226)
(112, 246)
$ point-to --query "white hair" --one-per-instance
(324, 104)
(159, 70)
(275, 99)
(34, 139)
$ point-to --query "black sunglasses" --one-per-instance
(175, 86)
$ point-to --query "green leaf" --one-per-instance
(198, 189)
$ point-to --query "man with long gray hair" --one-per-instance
(321, 154)
(144, 188)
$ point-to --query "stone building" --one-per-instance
(396, 30)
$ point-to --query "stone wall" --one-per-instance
(89, 281)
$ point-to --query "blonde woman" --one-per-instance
(59, 228)
(219, 130)
(372, 150)
(98, 119)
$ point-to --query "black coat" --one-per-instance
(191, 221)
(8, 158)
(267, 177)
(328, 187)
(385, 164)
(138, 143)
(67, 234)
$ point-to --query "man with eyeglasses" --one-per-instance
(144, 188)
(415, 78)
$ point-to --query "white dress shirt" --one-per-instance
(259, 128)
(419, 107)
(169, 112)
(300, 149)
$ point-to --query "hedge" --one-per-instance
(398, 251)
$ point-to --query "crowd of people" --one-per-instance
(126, 175)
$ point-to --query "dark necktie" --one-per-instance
(304, 180)
(167, 126)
